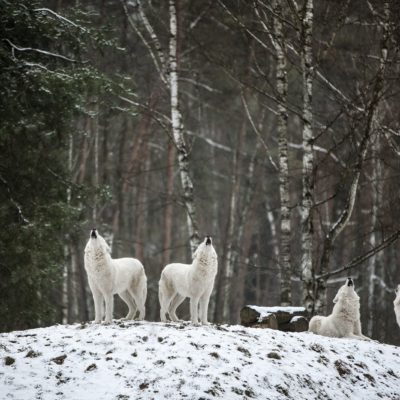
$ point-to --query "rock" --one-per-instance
(251, 317)
(32, 354)
(288, 319)
(296, 324)
(91, 367)
(59, 360)
(9, 360)
(274, 355)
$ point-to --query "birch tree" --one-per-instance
(308, 156)
(168, 71)
(282, 120)
(177, 130)
(278, 41)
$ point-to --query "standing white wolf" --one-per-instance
(106, 276)
(396, 304)
(344, 322)
(195, 281)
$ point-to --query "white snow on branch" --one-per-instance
(68, 21)
(44, 52)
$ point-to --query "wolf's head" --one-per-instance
(205, 248)
(97, 243)
(346, 291)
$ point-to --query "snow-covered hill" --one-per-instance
(146, 360)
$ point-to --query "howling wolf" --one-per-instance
(396, 304)
(195, 281)
(344, 322)
(106, 276)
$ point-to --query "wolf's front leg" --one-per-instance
(204, 300)
(109, 299)
(98, 303)
(194, 310)
(357, 331)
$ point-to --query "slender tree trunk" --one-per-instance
(374, 263)
(139, 231)
(285, 228)
(168, 212)
(231, 242)
(308, 158)
(67, 252)
(96, 175)
(177, 130)
(240, 271)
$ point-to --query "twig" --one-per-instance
(360, 259)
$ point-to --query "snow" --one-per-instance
(149, 360)
(266, 311)
(296, 318)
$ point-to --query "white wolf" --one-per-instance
(106, 276)
(396, 304)
(344, 322)
(195, 281)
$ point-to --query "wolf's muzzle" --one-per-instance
(350, 282)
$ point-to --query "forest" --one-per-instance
(269, 125)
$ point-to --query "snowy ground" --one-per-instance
(147, 360)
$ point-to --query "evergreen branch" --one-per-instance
(60, 17)
(44, 52)
(17, 206)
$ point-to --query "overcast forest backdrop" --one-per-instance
(271, 125)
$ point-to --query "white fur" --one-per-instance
(195, 281)
(124, 276)
(344, 322)
(396, 304)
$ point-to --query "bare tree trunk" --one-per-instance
(285, 228)
(168, 212)
(96, 176)
(141, 201)
(238, 285)
(66, 268)
(375, 262)
(231, 243)
(177, 130)
(308, 158)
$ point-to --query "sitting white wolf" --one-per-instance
(396, 304)
(344, 322)
(106, 276)
(195, 281)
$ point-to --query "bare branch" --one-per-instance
(257, 132)
(159, 68)
(360, 259)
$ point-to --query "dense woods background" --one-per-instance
(270, 125)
